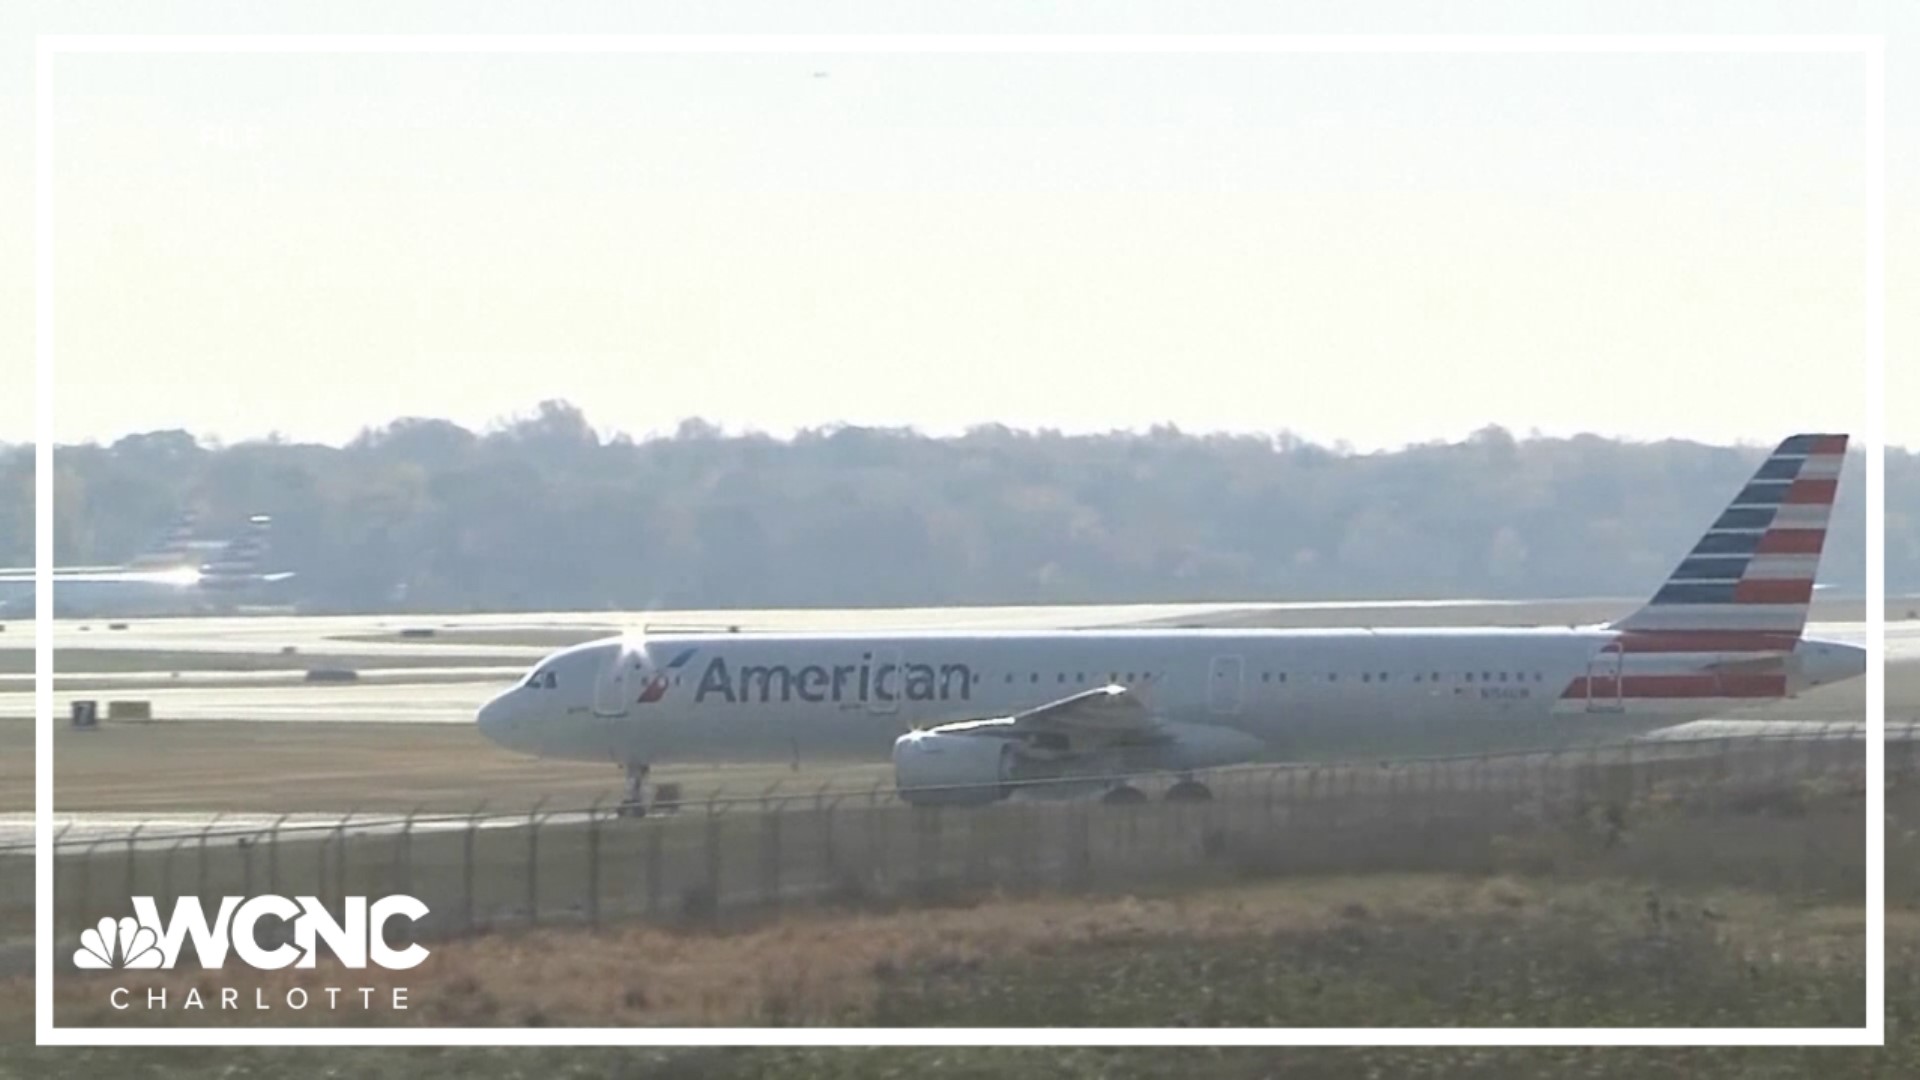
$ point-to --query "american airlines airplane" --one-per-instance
(971, 716)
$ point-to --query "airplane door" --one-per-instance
(1605, 694)
(1223, 685)
(612, 694)
(889, 681)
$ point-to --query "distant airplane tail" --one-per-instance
(240, 561)
(174, 547)
(1746, 586)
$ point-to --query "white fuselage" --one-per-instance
(1300, 692)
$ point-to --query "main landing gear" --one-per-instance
(1184, 790)
(1187, 789)
(634, 802)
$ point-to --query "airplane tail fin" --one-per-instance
(173, 548)
(1748, 582)
(243, 556)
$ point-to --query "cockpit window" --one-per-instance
(541, 680)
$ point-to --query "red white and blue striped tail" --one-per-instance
(1746, 586)
(172, 549)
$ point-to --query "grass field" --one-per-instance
(1898, 1061)
(290, 767)
(1394, 949)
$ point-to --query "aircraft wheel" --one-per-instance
(1123, 795)
(1189, 791)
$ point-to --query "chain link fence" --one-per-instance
(582, 865)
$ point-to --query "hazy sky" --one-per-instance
(1377, 249)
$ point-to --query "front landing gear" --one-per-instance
(634, 802)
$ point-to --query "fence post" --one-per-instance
(466, 861)
(1084, 868)
(131, 837)
(246, 844)
(825, 815)
(86, 881)
(273, 854)
(403, 852)
(877, 846)
(340, 859)
(533, 862)
(593, 863)
(713, 854)
(770, 851)
(201, 890)
(653, 868)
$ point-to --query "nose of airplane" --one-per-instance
(495, 717)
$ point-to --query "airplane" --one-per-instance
(169, 577)
(972, 716)
(174, 549)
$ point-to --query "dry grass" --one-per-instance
(292, 767)
(825, 968)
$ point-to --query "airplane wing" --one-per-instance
(1106, 710)
(1106, 714)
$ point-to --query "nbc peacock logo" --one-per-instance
(124, 945)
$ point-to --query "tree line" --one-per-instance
(546, 512)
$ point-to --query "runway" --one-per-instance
(383, 635)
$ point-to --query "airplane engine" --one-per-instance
(932, 768)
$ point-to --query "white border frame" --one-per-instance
(1871, 50)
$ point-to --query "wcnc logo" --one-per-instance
(147, 942)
